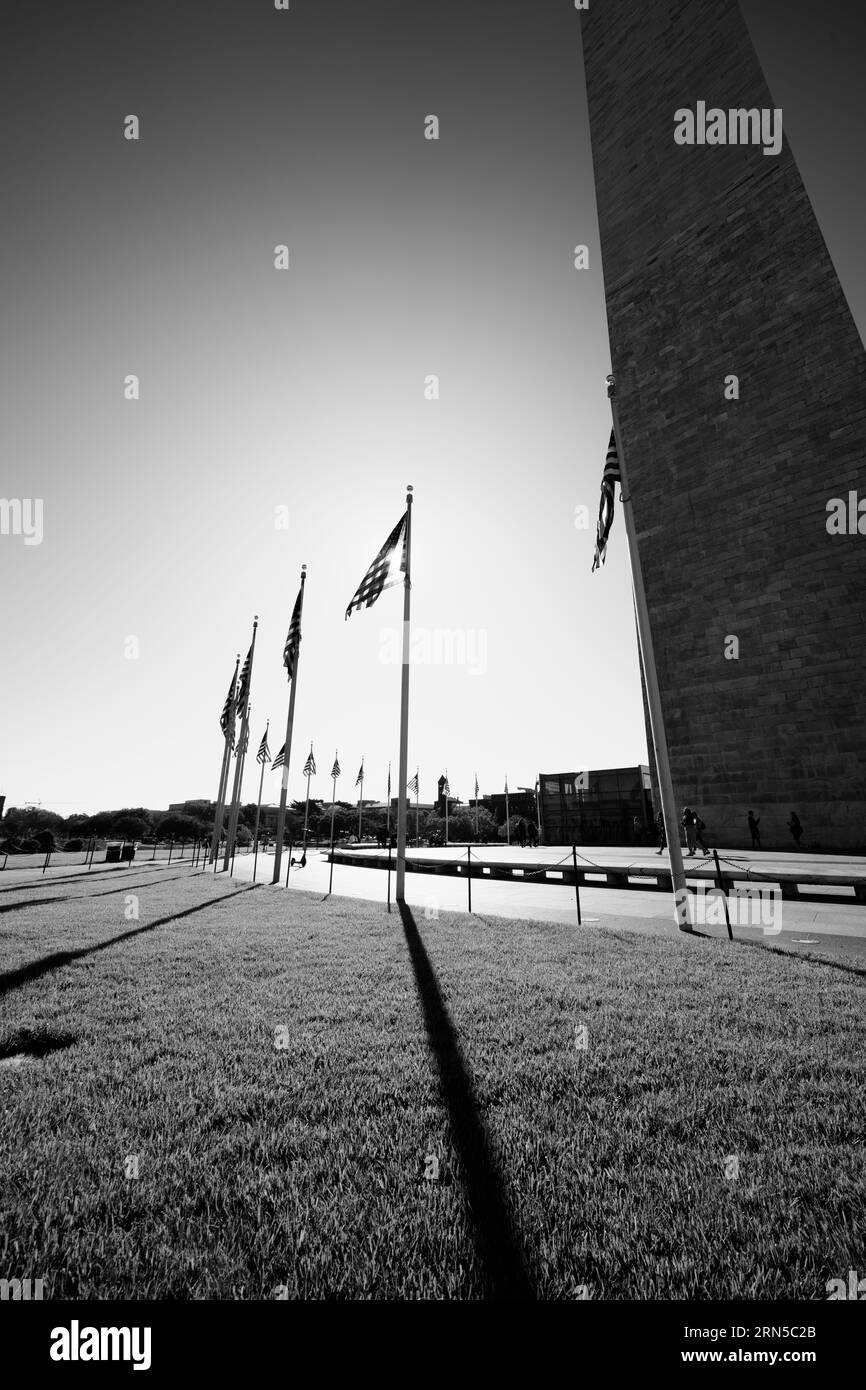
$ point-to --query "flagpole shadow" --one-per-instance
(496, 1239)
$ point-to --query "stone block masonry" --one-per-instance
(715, 266)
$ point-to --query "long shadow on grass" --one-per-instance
(806, 956)
(85, 897)
(14, 979)
(496, 1239)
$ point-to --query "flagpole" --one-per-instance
(290, 719)
(242, 756)
(361, 802)
(233, 816)
(657, 728)
(476, 805)
(333, 809)
(219, 809)
(259, 806)
(507, 818)
(447, 789)
(388, 813)
(307, 807)
(417, 794)
(400, 891)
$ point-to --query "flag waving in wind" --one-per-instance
(610, 478)
(446, 790)
(264, 752)
(293, 640)
(476, 786)
(310, 765)
(335, 770)
(228, 707)
(244, 683)
(279, 759)
(359, 780)
(385, 569)
(413, 785)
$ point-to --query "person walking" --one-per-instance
(637, 827)
(532, 832)
(700, 827)
(521, 833)
(754, 822)
(660, 831)
(795, 828)
(689, 824)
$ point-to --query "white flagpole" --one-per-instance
(417, 795)
(333, 809)
(507, 817)
(236, 791)
(307, 807)
(476, 805)
(219, 809)
(388, 809)
(361, 802)
(657, 728)
(446, 805)
(259, 806)
(290, 720)
(400, 891)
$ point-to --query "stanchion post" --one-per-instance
(720, 885)
(576, 885)
(289, 858)
(469, 873)
(170, 848)
(389, 873)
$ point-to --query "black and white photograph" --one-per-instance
(433, 631)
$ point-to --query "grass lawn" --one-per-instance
(285, 1070)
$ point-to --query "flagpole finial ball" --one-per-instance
(409, 487)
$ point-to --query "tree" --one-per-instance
(179, 827)
(24, 822)
(130, 826)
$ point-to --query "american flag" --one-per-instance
(310, 765)
(389, 781)
(384, 571)
(335, 770)
(264, 751)
(360, 777)
(279, 759)
(228, 707)
(413, 785)
(610, 478)
(446, 790)
(506, 786)
(476, 786)
(293, 641)
(244, 683)
(241, 750)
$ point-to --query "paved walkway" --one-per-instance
(794, 922)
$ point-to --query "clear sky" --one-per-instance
(304, 389)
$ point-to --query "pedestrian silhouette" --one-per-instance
(521, 832)
(754, 822)
(532, 832)
(689, 823)
(700, 827)
(795, 828)
(660, 828)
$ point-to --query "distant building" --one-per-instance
(596, 808)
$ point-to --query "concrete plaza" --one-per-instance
(796, 924)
